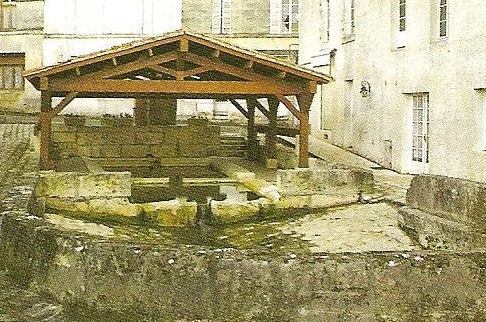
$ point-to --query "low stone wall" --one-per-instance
(308, 181)
(444, 212)
(104, 194)
(130, 282)
(136, 141)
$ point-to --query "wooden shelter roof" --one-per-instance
(180, 64)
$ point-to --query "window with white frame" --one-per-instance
(7, 16)
(284, 16)
(221, 23)
(443, 17)
(11, 67)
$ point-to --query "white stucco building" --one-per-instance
(410, 81)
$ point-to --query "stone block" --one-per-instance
(323, 181)
(228, 212)
(107, 184)
(95, 207)
(172, 213)
(149, 137)
(434, 232)
(455, 199)
(56, 184)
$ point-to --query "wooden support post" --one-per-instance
(45, 130)
(305, 102)
(271, 135)
(252, 133)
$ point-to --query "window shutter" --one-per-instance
(216, 23)
(226, 19)
(275, 16)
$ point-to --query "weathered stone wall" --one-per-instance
(444, 212)
(308, 181)
(130, 281)
(136, 142)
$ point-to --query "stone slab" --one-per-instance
(455, 199)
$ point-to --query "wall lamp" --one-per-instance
(365, 89)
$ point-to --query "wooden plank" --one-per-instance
(104, 55)
(175, 87)
(195, 71)
(184, 44)
(239, 107)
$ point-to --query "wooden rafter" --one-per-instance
(121, 69)
(236, 71)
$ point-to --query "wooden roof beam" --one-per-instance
(180, 88)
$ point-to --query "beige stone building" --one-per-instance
(409, 89)
(21, 37)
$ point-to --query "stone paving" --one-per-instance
(355, 228)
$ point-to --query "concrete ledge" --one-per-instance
(455, 199)
(434, 232)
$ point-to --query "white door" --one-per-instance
(420, 133)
